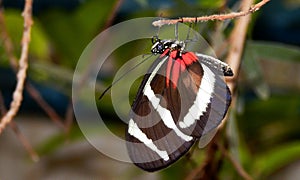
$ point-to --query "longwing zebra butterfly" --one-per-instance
(182, 97)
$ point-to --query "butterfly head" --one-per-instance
(160, 46)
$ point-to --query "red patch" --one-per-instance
(168, 72)
(189, 58)
(177, 64)
(165, 53)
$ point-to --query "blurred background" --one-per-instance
(263, 129)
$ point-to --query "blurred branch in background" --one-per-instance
(23, 65)
(236, 40)
(9, 50)
(34, 156)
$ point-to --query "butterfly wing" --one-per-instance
(153, 139)
(174, 106)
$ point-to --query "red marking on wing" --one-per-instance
(168, 72)
(175, 72)
(178, 64)
(189, 58)
(165, 53)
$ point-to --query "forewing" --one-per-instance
(154, 141)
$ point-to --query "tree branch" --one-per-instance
(34, 156)
(236, 41)
(23, 65)
(32, 91)
(220, 17)
(240, 170)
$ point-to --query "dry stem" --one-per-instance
(23, 65)
(236, 41)
(220, 17)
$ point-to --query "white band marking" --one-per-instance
(136, 132)
(202, 99)
(164, 113)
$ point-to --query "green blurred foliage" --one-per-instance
(71, 31)
(39, 41)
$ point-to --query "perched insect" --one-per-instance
(182, 97)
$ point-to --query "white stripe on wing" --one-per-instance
(202, 100)
(136, 132)
(164, 113)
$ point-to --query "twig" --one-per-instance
(235, 163)
(69, 117)
(236, 39)
(112, 15)
(34, 156)
(220, 17)
(207, 170)
(32, 91)
(23, 65)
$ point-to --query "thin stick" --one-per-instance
(220, 17)
(32, 91)
(113, 13)
(69, 118)
(33, 154)
(236, 39)
(235, 163)
(23, 65)
(206, 169)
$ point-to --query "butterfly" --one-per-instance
(182, 97)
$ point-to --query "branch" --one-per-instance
(32, 91)
(23, 65)
(235, 163)
(34, 156)
(113, 13)
(208, 168)
(236, 41)
(220, 17)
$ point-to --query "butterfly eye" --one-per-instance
(160, 47)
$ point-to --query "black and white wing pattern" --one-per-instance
(181, 98)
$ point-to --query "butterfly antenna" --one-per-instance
(188, 34)
(131, 69)
(195, 37)
(189, 31)
(176, 31)
(158, 29)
